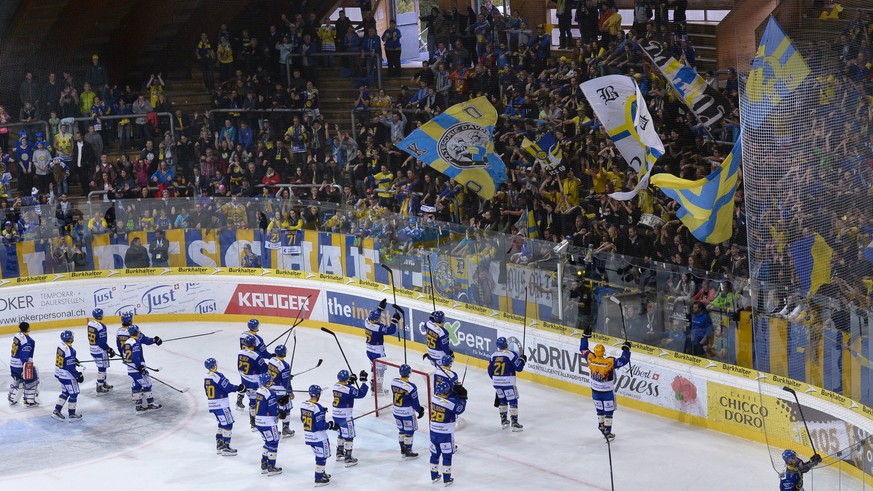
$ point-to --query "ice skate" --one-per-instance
(504, 421)
(516, 426)
(409, 454)
(101, 389)
(74, 418)
(610, 436)
(31, 403)
(273, 470)
(322, 481)
(263, 467)
(449, 481)
(286, 431)
(57, 415)
(140, 409)
(340, 454)
(154, 406)
(351, 461)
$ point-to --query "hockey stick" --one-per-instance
(293, 351)
(403, 317)
(394, 292)
(341, 351)
(800, 410)
(432, 290)
(318, 364)
(181, 391)
(95, 361)
(609, 451)
(296, 323)
(186, 337)
(466, 366)
(524, 326)
(617, 301)
(373, 411)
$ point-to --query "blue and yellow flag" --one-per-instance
(777, 70)
(706, 206)
(547, 153)
(460, 144)
(812, 262)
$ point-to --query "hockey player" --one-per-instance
(279, 369)
(132, 357)
(266, 413)
(502, 369)
(375, 332)
(446, 374)
(315, 426)
(602, 370)
(121, 335)
(406, 406)
(344, 394)
(258, 347)
(69, 377)
(437, 337)
(250, 366)
(792, 479)
(218, 390)
(100, 349)
(24, 372)
(444, 411)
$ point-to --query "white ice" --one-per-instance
(560, 447)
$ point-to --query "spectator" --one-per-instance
(96, 75)
(699, 330)
(391, 39)
(159, 250)
(136, 255)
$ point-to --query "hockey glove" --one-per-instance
(461, 392)
(111, 353)
(78, 363)
(363, 376)
(420, 412)
(395, 319)
(383, 304)
(331, 425)
(496, 400)
(158, 341)
(424, 357)
(815, 459)
(141, 370)
(626, 345)
(80, 378)
(353, 379)
(241, 389)
(283, 415)
(587, 332)
(523, 358)
(283, 400)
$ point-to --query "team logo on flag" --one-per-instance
(465, 145)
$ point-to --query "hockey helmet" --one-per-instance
(281, 351)
(343, 375)
(265, 379)
(789, 456)
(374, 315)
(442, 388)
(133, 330)
(405, 370)
(502, 343)
(599, 350)
(253, 325)
(248, 340)
(126, 318)
(97, 314)
(438, 316)
(211, 364)
(314, 391)
(67, 336)
(447, 360)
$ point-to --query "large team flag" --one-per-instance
(460, 144)
(812, 262)
(777, 70)
(706, 206)
(547, 153)
(621, 109)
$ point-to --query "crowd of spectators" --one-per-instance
(249, 158)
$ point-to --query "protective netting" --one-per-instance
(805, 113)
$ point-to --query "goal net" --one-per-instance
(385, 370)
(805, 113)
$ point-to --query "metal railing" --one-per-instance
(345, 54)
(113, 117)
(39, 122)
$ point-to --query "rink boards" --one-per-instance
(716, 396)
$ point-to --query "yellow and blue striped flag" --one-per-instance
(547, 153)
(812, 262)
(706, 206)
(777, 70)
(460, 144)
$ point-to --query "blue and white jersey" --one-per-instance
(22, 350)
(375, 333)
(280, 370)
(65, 363)
(121, 337)
(218, 390)
(503, 367)
(260, 348)
(314, 418)
(250, 365)
(344, 395)
(449, 377)
(437, 341)
(405, 398)
(97, 337)
(444, 414)
(131, 353)
(266, 407)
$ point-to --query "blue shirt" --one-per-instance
(313, 417)
(503, 366)
(344, 395)
(701, 326)
(131, 352)
(280, 371)
(217, 386)
(22, 350)
(97, 335)
(391, 37)
(260, 348)
(266, 407)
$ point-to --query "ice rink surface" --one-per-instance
(174, 448)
